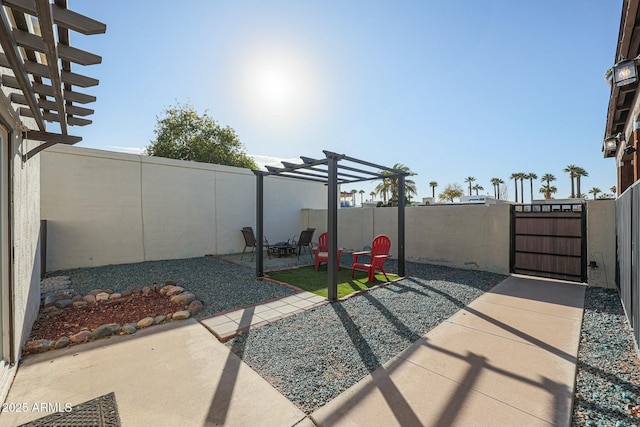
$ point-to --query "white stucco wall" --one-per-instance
(601, 243)
(26, 238)
(463, 236)
(105, 208)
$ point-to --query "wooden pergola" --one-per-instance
(333, 170)
(34, 36)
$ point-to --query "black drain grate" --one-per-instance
(99, 412)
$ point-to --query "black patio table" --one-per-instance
(282, 249)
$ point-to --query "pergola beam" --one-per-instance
(61, 16)
(45, 17)
(50, 140)
(10, 48)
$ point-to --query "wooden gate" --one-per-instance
(549, 241)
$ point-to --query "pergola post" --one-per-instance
(259, 223)
(401, 213)
(332, 227)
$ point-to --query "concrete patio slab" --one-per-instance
(522, 325)
(404, 394)
(509, 358)
(174, 374)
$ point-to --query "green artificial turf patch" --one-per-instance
(310, 280)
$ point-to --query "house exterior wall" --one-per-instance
(20, 272)
(26, 241)
(105, 208)
(601, 242)
(463, 236)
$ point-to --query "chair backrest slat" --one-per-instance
(380, 246)
(306, 236)
(323, 242)
(249, 237)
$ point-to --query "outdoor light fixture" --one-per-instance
(611, 144)
(630, 149)
(625, 73)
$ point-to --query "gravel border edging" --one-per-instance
(607, 388)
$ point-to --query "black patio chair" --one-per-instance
(304, 241)
(250, 242)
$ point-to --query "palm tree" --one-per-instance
(372, 194)
(478, 187)
(595, 191)
(571, 170)
(433, 185)
(548, 190)
(353, 196)
(580, 172)
(361, 196)
(522, 176)
(613, 190)
(409, 185)
(547, 178)
(515, 177)
(383, 188)
(469, 179)
(531, 176)
(496, 184)
(500, 183)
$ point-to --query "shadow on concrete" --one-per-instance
(219, 408)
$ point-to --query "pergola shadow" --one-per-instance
(333, 173)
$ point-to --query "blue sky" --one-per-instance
(450, 88)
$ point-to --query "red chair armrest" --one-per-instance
(357, 254)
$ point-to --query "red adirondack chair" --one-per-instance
(378, 255)
(321, 252)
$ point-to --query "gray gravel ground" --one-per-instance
(314, 356)
(219, 285)
(608, 377)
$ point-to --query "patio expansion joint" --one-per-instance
(558, 353)
(538, 312)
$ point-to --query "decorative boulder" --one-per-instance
(181, 315)
(105, 330)
(38, 346)
(183, 299)
(144, 323)
(82, 336)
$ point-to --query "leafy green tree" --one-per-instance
(450, 192)
(183, 134)
(469, 180)
(433, 185)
